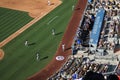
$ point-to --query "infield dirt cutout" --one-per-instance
(1, 54)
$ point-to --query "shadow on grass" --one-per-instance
(44, 58)
(58, 33)
(32, 44)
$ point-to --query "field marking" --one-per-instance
(52, 20)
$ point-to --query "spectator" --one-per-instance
(112, 77)
(93, 76)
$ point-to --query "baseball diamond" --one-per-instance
(19, 62)
(59, 39)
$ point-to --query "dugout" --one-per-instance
(95, 33)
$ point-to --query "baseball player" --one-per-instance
(26, 43)
(53, 31)
(49, 3)
(63, 47)
(37, 57)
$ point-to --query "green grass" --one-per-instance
(11, 20)
(20, 61)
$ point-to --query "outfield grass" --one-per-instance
(20, 61)
(11, 20)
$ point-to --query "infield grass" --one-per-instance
(11, 20)
(20, 61)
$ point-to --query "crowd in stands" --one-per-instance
(96, 76)
(106, 4)
(77, 67)
(110, 32)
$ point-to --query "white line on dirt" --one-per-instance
(52, 20)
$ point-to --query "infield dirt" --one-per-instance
(1, 54)
(33, 7)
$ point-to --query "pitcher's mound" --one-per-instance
(1, 54)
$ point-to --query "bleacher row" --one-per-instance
(77, 67)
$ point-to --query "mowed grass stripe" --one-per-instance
(6, 23)
(9, 18)
(11, 21)
(5, 14)
(11, 28)
(45, 43)
(10, 15)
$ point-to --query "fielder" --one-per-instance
(37, 57)
(26, 43)
(53, 31)
(49, 3)
(73, 7)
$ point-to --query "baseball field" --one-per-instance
(20, 61)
